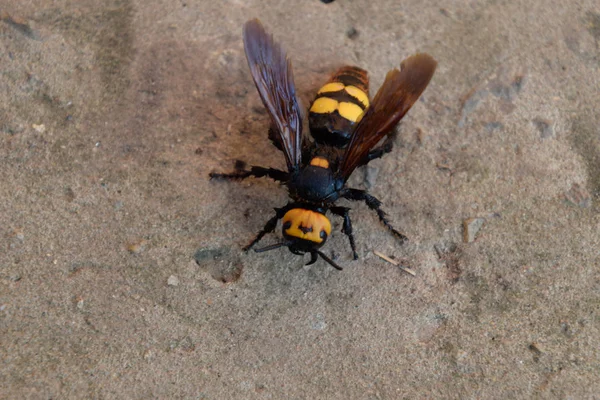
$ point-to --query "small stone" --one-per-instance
(186, 344)
(319, 322)
(40, 128)
(173, 281)
(148, 355)
(136, 247)
(352, 33)
(471, 228)
(536, 348)
(544, 127)
(371, 174)
(19, 234)
(578, 196)
(20, 24)
(493, 126)
(206, 254)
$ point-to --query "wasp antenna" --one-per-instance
(328, 260)
(271, 247)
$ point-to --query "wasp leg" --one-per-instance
(259, 172)
(313, 258)
(374, 204)
(269, 226)
(378, 152)
(347, 227)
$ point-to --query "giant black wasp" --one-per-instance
(345, 129)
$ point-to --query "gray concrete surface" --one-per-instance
(121, 274)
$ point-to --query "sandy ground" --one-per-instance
(121, 274)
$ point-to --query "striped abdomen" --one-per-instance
(339, 105)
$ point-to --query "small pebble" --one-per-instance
(544, 127)
(578, 196)
(471, 228)
(40, 128)
(206, 254)
(136, 247)
(173, 281)
(371, 174)
(352, 33)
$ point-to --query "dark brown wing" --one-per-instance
(272, 73)
(395, 97)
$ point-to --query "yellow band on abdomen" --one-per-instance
(350, 111)
(331, 87)
(324, 105)
(358, 94)
(319, 162)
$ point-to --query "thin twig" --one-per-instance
(394, 262)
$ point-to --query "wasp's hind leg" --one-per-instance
(374, 204)
(378, 152)
(258, 172)
(347, 227)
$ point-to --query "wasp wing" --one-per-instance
(272, 74)
(396, 96)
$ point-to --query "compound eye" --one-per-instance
(287, 225)
(323, 234)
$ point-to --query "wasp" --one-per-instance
(346, 130)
